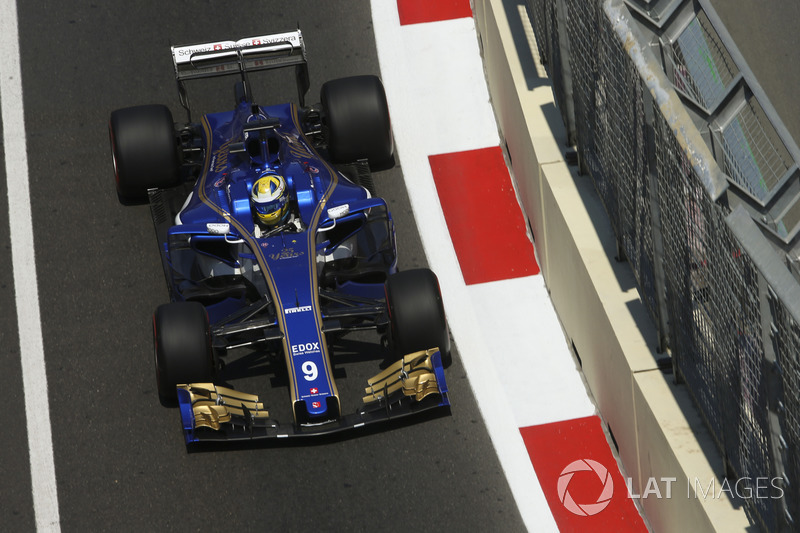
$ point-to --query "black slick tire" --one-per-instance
(416, 313)
(182, 346)
(357, 119)
(144, 151)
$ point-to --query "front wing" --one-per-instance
(411, 385)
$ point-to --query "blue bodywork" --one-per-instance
(287, 260)
(262, 287)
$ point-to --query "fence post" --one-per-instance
(566, 72)
(659, 281)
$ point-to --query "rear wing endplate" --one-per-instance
(222, 58)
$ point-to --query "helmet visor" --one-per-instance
(271, 207)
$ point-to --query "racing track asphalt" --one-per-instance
(119, 458)
(16, 502)
(120, 462)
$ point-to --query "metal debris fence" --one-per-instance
(714, 280)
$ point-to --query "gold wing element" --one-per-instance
(413, 375)
(213, 405)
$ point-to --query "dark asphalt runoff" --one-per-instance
(766, 35)
(120, 461)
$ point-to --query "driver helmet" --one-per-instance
(270, 199)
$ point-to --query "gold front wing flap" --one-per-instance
(413, 374)
(213, 405)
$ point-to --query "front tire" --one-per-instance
(416, 313)
(357, 118)
(182, 345)
(144, 151)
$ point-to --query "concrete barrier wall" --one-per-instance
(656, 428)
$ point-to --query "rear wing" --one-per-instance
(222, 58)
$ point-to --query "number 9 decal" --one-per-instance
(310, 371)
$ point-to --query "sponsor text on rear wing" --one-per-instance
(221, 58)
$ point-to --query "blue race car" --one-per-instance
(273, 240)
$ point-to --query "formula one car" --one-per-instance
(272, 240)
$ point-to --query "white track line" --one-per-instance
(34, 376)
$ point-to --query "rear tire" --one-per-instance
(416, 313)
(144, 151)
(182, 345)
(357, 117)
